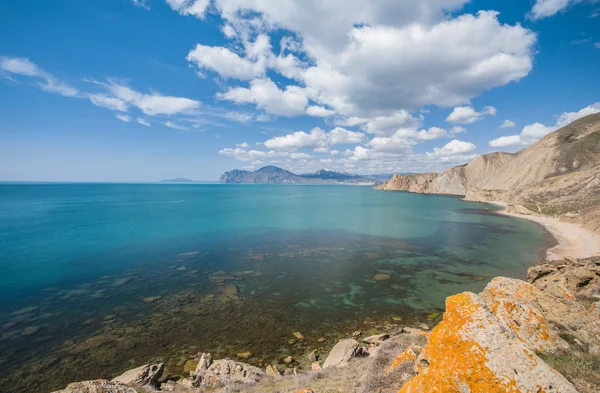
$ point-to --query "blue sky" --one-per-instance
(134, 90)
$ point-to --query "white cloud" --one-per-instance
(388, 125)
(143, 121)
(175, 126)
(545, 8)
(243, 145)
(189, 7)
(457, 130)
(46, 81)
(105, 101)
(366, 59)
(122, 117)
(454, 147)
(319, 111)
(153, 104)
(468, 115)
(534, 132)
(315, 139)
(239, 117)
(508, 124)
(226, 63)
(290, 101)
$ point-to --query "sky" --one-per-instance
(143, 90)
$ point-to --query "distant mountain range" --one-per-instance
(275, 175)
(179, 180)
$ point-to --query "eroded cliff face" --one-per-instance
(559, 174)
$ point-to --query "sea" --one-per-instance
(99, 278)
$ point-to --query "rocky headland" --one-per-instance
(539, 335)
(554, 181)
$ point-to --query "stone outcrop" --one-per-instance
(98, 386)
(144, 375)
(471, 351)
(225, 371)
(341, 353)
(580, 277)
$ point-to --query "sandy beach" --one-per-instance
(573, 241)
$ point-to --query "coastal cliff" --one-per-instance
(557, 175)
(515, 336)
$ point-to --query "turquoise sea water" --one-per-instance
(95, 277)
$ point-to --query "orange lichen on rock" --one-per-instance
(471, 351)
(452, 359)
(408, 355)
(308, 390)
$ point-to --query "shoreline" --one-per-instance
(572, 240)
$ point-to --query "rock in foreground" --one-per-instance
(471, 351)
(98, 386)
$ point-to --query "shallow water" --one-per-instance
(95, 278)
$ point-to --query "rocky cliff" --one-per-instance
(514, 336)
(559, 174)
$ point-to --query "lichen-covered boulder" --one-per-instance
(540, 316)
(471, 351)
(224, 372)
(144, 375)
(97, 386)
(341, 353)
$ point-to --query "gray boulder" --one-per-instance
(98, 386)
(145, 375)
(341, 353)
(377, 339)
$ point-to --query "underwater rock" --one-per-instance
(245, 355)
(152, 299)
(30, 330)
(122, 281)
(321, 340)
(288, 360)
(313, 356)
(98, 386)
(291, 341)
(182, 268)
(230, 292)
(341, 353)
(26, 310)
(299, 336)
(382, 277)
(144, 375)
(189, 254)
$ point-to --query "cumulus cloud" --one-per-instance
(122, 117)
(317, 138)
(388, 125)
(373, 58)
(534, 132)
(455, 147)
(319, 111)
(45, 81)
(468, 115)
(508, 124)
(226, 63)
(264, 93)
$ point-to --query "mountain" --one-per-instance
(178, 180)
(559, 174)
(275, 175)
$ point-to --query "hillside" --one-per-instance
(275, 175)
(559, 174)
